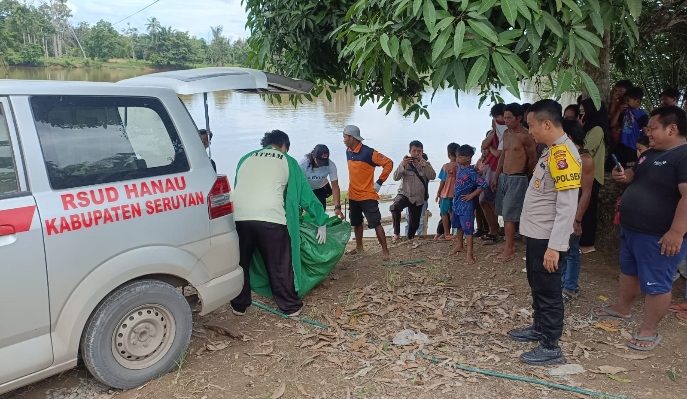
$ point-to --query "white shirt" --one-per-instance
(319, 177)
(260, 184)
(500, 130)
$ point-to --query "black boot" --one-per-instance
(526, 334)
(542, 356)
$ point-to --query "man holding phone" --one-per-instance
(653, 220)
(414, 173)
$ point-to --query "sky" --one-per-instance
(193, 16)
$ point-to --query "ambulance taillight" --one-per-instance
(219, 202)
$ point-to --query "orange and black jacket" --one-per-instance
(362, 161)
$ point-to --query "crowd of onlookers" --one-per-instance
(539, 169)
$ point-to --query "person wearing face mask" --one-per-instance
(269, 192)
(322, 175)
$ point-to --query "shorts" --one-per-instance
(510, 196)
(640, 255)
(465, 223)
(488, 196)
(370, 208)
(445, 205)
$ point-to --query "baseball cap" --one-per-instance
(321, 153)
(353, 131)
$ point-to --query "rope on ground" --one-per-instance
(464, 367)
(412, 262)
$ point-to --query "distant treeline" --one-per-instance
(39, 34)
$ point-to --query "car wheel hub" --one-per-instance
(143, 336)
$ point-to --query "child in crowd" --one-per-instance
(469, 185)
(642, 145)
(447, 176)
(634, 119)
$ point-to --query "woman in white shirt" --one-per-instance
(321, 174)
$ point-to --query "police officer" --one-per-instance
(547, 223)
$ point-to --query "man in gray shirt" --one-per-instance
(414, 173)
(547, 222)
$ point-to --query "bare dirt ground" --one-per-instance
(465, 312)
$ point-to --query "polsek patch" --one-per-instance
(565, 170)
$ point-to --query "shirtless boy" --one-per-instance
(516, 163)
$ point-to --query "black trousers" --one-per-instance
(400, 203)
(274, 244)
(547, 295)
(590, 219)
(322, 194)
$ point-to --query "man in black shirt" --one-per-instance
(653, 218)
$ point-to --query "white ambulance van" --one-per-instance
(109, 208)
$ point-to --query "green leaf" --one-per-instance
(635, 7)
(443, 4)
(573, 6)
(458, 39)
(559, 5)
(590, 53)
(597, 22)
(532, 4)
(523, 10)
(572, 49)
(440, 43)
(459, 74)
(402, 6)
(591, 88)
(534, 39)
(429, 13)
(509, 36)
(476, 72)
(440, 26)
(386, 78)
(485, 6)
(539, 25)
(565, 80)
(393, 46)
(589, 36)
(407, 50)
(384, 42)
(518, 64)
(549, 66)
(416, 6)
(484, 30)
(552, 24)
(505, 72)
(361, 28)
(510, 10)
(595, 6)
(464, 5)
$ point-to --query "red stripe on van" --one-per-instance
(19, 218)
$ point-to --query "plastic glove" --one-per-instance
(322, 234)
(377, 187)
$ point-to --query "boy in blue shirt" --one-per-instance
(469, 185)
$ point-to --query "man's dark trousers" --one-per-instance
(400, 203)
(547, 295)
(274, 244)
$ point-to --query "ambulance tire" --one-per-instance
(153, 343)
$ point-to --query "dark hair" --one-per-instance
(574, 131)
(515, 109)
(672, 115)
(643, 139)
(497, 110)
(548, 110)
(415, 143)
(635, 92)
(627, 84)
(277, 138)
(526, 107)
(574, 107)
(204, 131)
(670, 92)
(452, 148)
(465, 150)
(595, 117)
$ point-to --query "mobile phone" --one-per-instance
(617, 163)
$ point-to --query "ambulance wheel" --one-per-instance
(137, 333)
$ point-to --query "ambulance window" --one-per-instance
(90, 140)
(8, 171)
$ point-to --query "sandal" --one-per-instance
(652, 341)
(356, 251)
(569, 296)
(489, 239)
(607, 313)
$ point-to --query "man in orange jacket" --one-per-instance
(362, 190)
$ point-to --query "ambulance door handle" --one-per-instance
(7, 230)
